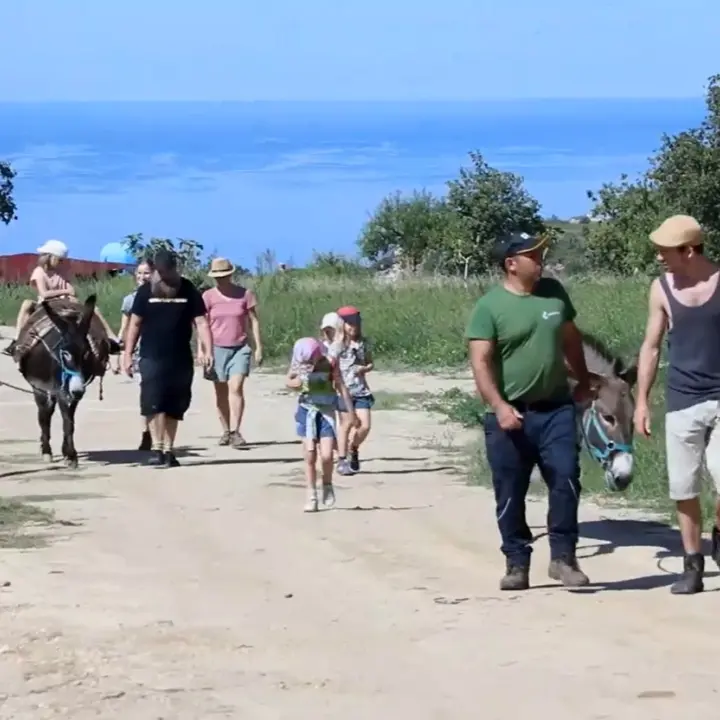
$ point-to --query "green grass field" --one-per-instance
(419, 324)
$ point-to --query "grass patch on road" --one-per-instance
(385, 400)
(16, 518)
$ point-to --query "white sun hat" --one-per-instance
(53, 247)
(331, 320)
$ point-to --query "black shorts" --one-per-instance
(165, 388)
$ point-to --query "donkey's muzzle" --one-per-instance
(619, 474)
(76, 387)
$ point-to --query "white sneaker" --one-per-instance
(312, 504)
(328, 495)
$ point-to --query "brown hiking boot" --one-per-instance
(517, 577)
(567, 571)
(691, 580)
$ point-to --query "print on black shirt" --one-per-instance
(166, 324)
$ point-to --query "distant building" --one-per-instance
(17, 268)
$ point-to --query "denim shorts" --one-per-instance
(324, 425)
(229, 362)
(364, 402)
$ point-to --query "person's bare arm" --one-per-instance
(369, 363)
(344, 393)
(293, 381)
(202, 327)
(38, 280)
(123, 327)
(255, 330)
(649, 357)
(574, 355)
(132, 333)
(481, 362)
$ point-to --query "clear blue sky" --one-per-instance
(351, 50)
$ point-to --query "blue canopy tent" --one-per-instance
(116, 252)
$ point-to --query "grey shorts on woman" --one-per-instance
(230, 362)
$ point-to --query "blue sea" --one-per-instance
(243, 178)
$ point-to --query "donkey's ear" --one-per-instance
(59, 322)
(629, 375)
(87, 313)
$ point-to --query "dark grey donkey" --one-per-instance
(62, 349)
(606, 424)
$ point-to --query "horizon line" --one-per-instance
(368, 101)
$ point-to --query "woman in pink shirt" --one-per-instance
(231, 308)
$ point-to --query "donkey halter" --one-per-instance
(591, 420)
(57, 353)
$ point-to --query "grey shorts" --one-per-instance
(229, 362)
(692, 438)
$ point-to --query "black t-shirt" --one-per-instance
(167, 323)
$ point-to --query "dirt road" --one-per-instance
(205, 591)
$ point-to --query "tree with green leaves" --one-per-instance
(489, 203)
(683, 177)
(8, 209)
(403, 229)
(189, 252)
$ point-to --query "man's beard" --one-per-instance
(165, 287)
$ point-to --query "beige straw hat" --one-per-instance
(221, 267)
(677, 231)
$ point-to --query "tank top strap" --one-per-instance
(665, 285)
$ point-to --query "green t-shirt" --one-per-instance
(529, 360)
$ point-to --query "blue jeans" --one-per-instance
(320, 425)
(548, 439)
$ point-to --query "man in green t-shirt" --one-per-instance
(521, 334)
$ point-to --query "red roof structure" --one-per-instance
(17, 268)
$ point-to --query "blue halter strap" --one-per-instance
(591, 421)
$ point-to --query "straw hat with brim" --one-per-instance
(220, 267)
(677, 231)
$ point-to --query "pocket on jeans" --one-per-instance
(490, 424)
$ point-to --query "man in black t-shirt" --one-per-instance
(165, 310)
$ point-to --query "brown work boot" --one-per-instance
(567, 571)
(691, 580)
(517, 577)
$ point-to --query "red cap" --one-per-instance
(348, 311)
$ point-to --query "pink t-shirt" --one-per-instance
(228, 315)
(53, 280)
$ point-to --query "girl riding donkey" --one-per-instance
(51, 280)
